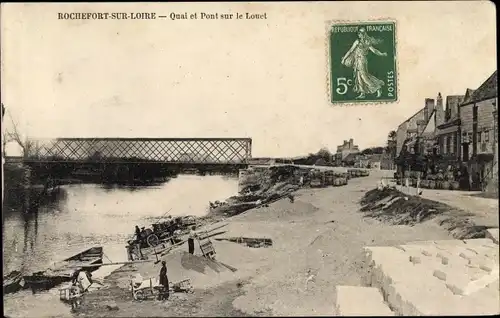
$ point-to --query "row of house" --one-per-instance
(463, 132)
(349, 154)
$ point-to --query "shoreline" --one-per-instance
(324, 233)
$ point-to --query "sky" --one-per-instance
(264, 79)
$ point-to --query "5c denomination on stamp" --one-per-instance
(363, 67)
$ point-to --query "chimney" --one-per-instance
(351, 142)
(429, 108)
(439, 119)
(439, 101)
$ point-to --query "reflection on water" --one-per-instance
(86, 215)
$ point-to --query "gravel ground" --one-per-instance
(317, 244)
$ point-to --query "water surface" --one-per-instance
(87, 215)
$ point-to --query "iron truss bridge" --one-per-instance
(224, 151)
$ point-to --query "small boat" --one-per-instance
(13, 282)
(89, 260)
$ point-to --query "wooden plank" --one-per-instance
(108, 264)
(216, 228)
(167, 249)
(212, 235)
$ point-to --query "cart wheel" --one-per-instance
(139, 295)
(153, 240)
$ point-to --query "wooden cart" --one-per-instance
(206, 247)
(184, 286)
(147, 289)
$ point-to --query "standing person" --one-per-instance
(192, 235)
(171, 230)
(74, 277)
(137, 232)
(164, 281)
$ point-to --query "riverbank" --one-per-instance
(317, 244)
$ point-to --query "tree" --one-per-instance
(391, 144)
(367, 151)
(30, 148)
(324, 154)
(373, 150)
(392, 135)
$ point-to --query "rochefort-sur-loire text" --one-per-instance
(107, 16)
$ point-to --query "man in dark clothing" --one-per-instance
(137, 232)
(192, 235)
(171, 231)
(164, 281)
(74, 277)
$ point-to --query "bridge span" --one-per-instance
(178, 151)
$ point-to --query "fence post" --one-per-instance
(407, 181)
(418, 183)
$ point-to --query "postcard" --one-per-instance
(249, 159)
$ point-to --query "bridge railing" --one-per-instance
(163, 150)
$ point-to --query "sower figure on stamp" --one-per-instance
(165, 293)
(364, 82)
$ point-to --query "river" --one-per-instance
(86, 215)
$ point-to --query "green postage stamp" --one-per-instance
(362, 57)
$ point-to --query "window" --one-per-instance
(452, 144)
(486, 135)
(448, 144)
(479, 137)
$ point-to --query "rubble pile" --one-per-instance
(392, 206)
(261, 187)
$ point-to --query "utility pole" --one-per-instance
(3, 153)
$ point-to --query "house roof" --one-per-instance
(487, 90)
(410, 118)
(468, 96)
(351, 157)
(430, 126)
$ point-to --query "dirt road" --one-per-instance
(485, 210)
(317, 244)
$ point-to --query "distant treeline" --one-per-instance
(325, 158)
(115, 170)
(373, 151)
(322, 158)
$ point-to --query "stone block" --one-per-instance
(493, 235)
(478, 242)
(360, 301)
(439, 274)
(442, 284)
